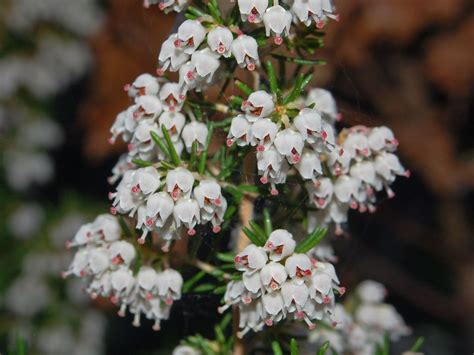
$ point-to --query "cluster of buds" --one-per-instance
(198, 64)
(278, 283)
(281, 143)
(364, 323)
(168, 203)
(106, 263)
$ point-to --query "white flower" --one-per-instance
(280, 244)
(190, 35)
(147, 282)
(252, 284)
(239, 131)
(168, 5)
(309, 166)
(98, 260)
(277, 22)
(179, 183)
(208, 195)
(251, 317)
(173, 123)
(357, 145)
(294, 295)
(159, 207)
(219, 39)
(321, 192)
(273, 275)
(195, 132)
(185, 350)
(245, 50)
(141, 141)
(290, 144)
(324, 103)
(346, 188)
(371, 291)
(122, 282)
(148, 107)
(251, 258)
(298, 266)
(314, 10)
(274, 307)
(258, 105)
(171, 57)
(308, 123)
(216, 217)
(144, 84)
(121, 253)
(186, 212)
(252, 10)
(171, 96)
(26, 220)
(169, 284)
(204, 63)
(146, 180)
(269, 163)
(263, 133)
(381, 138)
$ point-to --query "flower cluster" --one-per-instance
(362, 329)
(167, 5)
(178, 205)
(105, 262)
(278, 283)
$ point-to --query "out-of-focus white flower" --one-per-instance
(27, 296)
(245, 50)
(26, 220)
(24, 169)
(324, 103)
(185, 350)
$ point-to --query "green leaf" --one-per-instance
(259, 232)
(225, 321)
(219, 334)
(267, 222)
(125, 229)
(192, 159)
(227, 258)
(192, 281)
(276, 348)
(220, 290)
(194, 11)
(203, 158)
(142, 163)
(171, 149)
(418, 344)
(160, 143)
(272, 78)
(204, 288)
(298, 88)
(20, 346)
(248, 188)
(299, 60)
(253, 238)
(230, 211)
(214, 10)
(293, 347)
(243, 87)
(322, 350)
(311, 240)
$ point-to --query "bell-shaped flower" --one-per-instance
(141, 141)
(346, 188)
(364, 171)
(144, 84)
(79, 264)
(258, 105)
(216, 217)
(171, 5)
(357, 145)
(219, 39)
(277, 22)
(263, 133)
(179, 183)
(252, 10)
(100, 286)
(324, 103)
(251, 258)
(118, 127)
(280, 244)
(147, 282)
(190, 35)
(107, 227)
(170, 283)
(171, 97)
(98, 260)
(321, 192)
(381, 138)
(233, 294)
(186, 212)
(274, 307)
(298, 266)
(208, 195)
(251, 317)
(295, 295)
(308, 123)
(290, 144)
(121, 253)
(245, 50)
(309, 166)
(253, 285)
(195, 132)
(159, 208)
(147, 107)
(239, 131)
(314, 10)
(173, 123)
(388, 165)
(124, 200)
(205, 64)
(269, 164)
(273, 275)
(370, 291)
(146, 180)
(122, 282)
(171, 56)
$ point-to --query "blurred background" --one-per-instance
(402, 63)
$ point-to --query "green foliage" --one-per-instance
(311, 240)
(324, 348)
